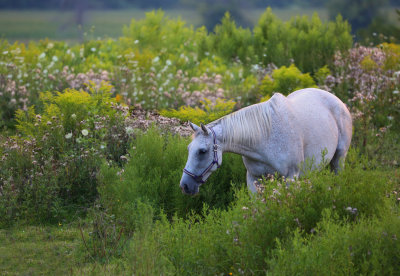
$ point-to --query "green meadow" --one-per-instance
(94, 137)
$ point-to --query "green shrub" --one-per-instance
(368, 247)
(321, 75)
(211, 112)
(160, 34)
(285, 80)
(48, 172)
(230, 42)
(310, 43)
(152, 175)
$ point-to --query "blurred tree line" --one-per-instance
(365, 16)
(114, 4)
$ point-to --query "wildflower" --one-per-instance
(351, 210)
(73, 116)
(156, 59)
(396, 92)
(168, 62)
(55, 58)
(118, 98)
(85, 132)
(68, 135)
(42, 55)
(136, 41)
(93, 49)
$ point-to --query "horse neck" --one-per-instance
(244, 150)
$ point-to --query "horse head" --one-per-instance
(205, 156)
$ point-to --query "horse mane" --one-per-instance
(247, 126)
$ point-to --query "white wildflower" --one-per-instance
(42, 55)
(129, 130)
(68, 135)
(156, 59)
(85, 132)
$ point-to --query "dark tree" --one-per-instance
(359, 13)
(213, 11)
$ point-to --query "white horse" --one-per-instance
(273, 136)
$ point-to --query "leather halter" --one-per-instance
(199, 178)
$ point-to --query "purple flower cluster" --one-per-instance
(360, 79)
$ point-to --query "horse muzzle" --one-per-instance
(189, 186)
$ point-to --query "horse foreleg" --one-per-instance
(251, 180)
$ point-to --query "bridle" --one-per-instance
(199, 178)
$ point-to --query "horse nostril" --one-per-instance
(184, 188)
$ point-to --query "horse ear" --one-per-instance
(204, 128)
(193, 126)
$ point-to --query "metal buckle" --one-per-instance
(215, 147)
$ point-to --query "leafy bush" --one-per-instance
(51, 166)
(158, 33)
(211, 112)
(392, 52)
(311, 44)
(285, 80)
(230, 42)
(152, 175)
(369, 246)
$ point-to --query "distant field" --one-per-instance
(58, 25)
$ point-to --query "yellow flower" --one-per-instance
(118, 98)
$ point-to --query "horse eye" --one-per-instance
(202, 151)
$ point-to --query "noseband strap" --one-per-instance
(199, 178)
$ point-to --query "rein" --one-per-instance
(199, 178)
